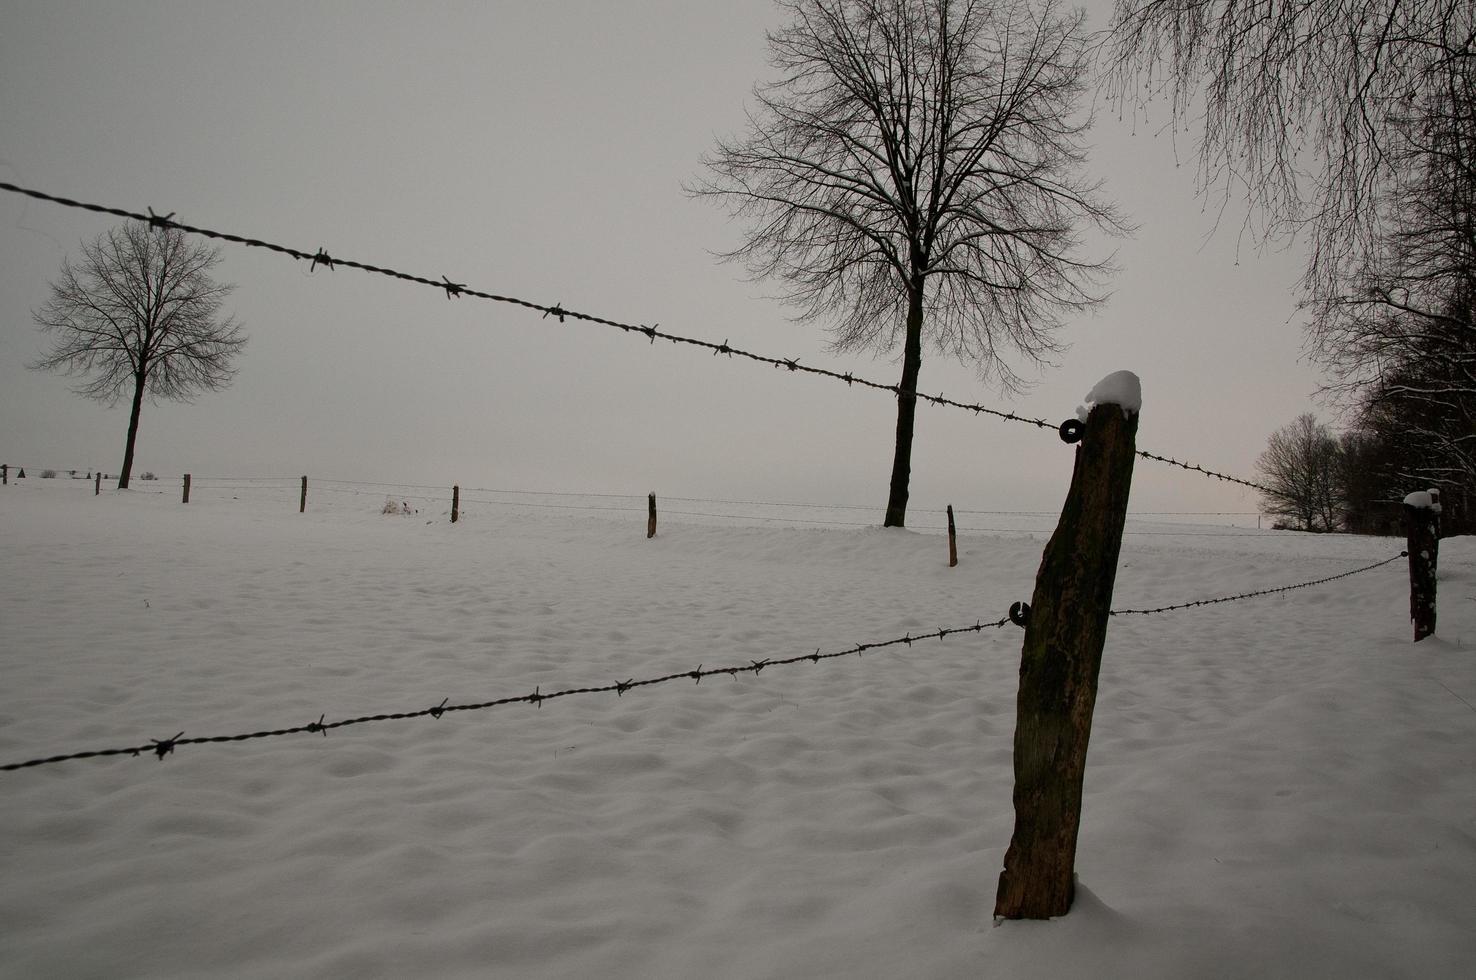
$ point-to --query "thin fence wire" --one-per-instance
(163, 747)
(454, 290)
(471, 495)
(1259, 592)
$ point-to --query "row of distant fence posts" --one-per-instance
(5, 478)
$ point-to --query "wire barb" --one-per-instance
(163, 747)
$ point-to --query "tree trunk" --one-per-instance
(906, 410)
(138, 395)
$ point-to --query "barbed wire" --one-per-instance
(1211, 474)
(1260, 592)
(163, 747)
(454, 290)
(1019, 614)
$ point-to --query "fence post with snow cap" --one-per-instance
(1065, 629)
(952, 540)
(1422, 536)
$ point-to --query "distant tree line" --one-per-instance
(1356, 481)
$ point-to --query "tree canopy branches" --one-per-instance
(1302, 104)
(140, 315)
(911, 142)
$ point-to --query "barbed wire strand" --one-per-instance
(163, 747)
(454, 290)
(1261, 592)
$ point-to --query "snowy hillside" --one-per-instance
(1279, 787)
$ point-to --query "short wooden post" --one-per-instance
(651, 516)
(97, 484)
(4, 475)
(1422, 537)
(302, 503)
(455, 502)
(952, 540)
(1064, 635)
(186, 489)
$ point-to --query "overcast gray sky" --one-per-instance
(538, 150)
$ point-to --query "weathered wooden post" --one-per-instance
(186, 489)
(1065, 630)
(455, 502)
(952, 540)
(651, 516)
(4, 475)
(302, 503)
(1422, 536)
(97, 484)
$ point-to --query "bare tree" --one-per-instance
(914, 174)
(140, 315)
(1302, 102)
(1301, 464)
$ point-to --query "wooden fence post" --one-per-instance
(302, 503)
(952, 540)
(1422, 536)
(651, 516)
(4, 475)
(186, 489)
(1059, 662)
(97, 485)
(455, 502)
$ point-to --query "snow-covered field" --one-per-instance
(1280, 787)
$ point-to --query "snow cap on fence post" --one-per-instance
(1118, 388)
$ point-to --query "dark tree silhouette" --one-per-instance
(1301, 464)
(914, 174)
(1301, 104)
(140, 315)
(1400, 344)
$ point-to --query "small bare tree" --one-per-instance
(914, 174)
(140, 315)
(1301, 464)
